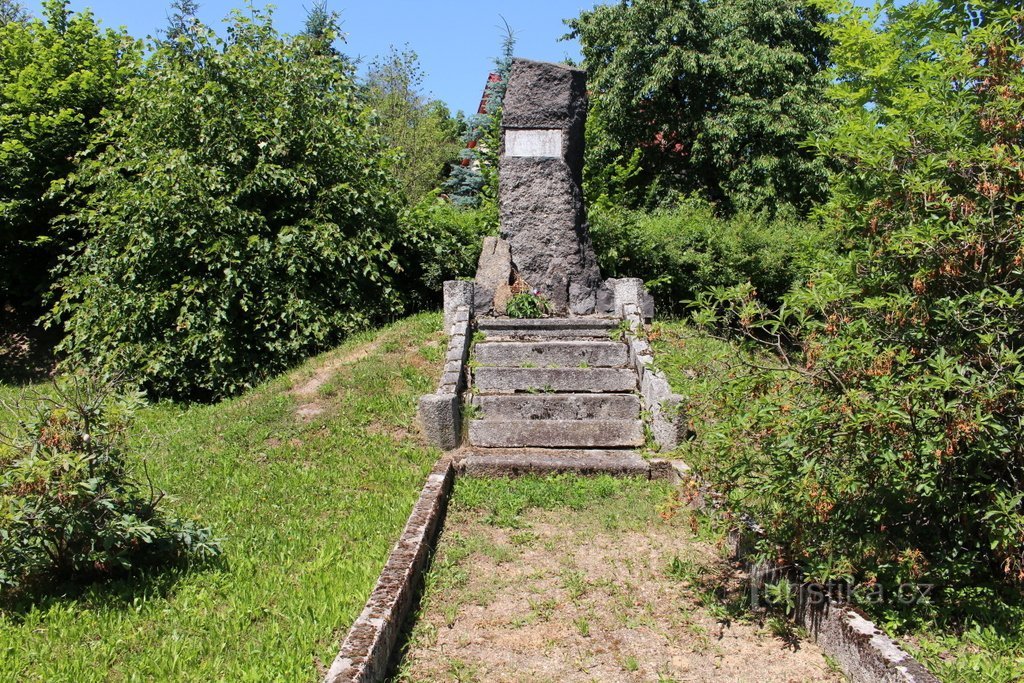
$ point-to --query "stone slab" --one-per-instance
(559, 407)
(440, 420)
(543, 219)
(540, 184)
(576, 380)
(562, 354)
(457, 294)
(493, 270)
(863, 651)
(556, 433)
(586, 327)
(514, 463)
(533, 142)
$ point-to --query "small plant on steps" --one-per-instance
(528, 305)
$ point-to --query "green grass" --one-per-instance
(503, 501)
(307, 512)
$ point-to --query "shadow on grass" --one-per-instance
(26, 350)
(122, 591)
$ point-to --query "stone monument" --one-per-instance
(545, 242)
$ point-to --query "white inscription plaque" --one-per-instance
(533, 143)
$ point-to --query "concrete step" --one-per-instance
(564, 328)
(500, 462)
(559, 407)
(559, 354)
(577, 380)
(556, 433)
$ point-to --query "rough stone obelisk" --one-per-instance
(540, 191)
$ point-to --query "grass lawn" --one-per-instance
(988, 648)
(307, 480)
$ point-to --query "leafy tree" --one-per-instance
(57, 74)
(239, 214)
(184, 20)
(720, 96)
(887, 444)
(422, 129)
(12, 11)
(320, 30)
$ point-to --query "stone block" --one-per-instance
(493, 270)
(576, 380)
(561, 328)
(514, 463)
(457, 294)
(502, 295)
(440, 419)
(540, 195)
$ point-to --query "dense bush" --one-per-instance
(56, 75)
(886, 445)
(441, 242)
(684, 251)
(69, 505)
(239, 213)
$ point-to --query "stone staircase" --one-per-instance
(553, 394)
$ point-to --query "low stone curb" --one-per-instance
(863, 651)
(668, 422)
(369, 646)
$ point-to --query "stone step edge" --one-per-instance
(546, 323)
(517, 462)
(497, 380)
(558, 406)
(581, 434)
(552, 354)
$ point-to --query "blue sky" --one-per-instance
(457, 40)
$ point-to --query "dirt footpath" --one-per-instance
(624, 590)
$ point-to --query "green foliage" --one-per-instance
(69, 507)
(441, 241)
(718, 95)
(421, 129)
(239, 214)
(528, 305)
(56, 75)
(880, 438)
(683, 251)
(182, 23)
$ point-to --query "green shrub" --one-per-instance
(441, 242)
(239, 214)
(885, 442)
(685, 251)
(69, 505)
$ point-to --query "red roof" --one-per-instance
(491, 78)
